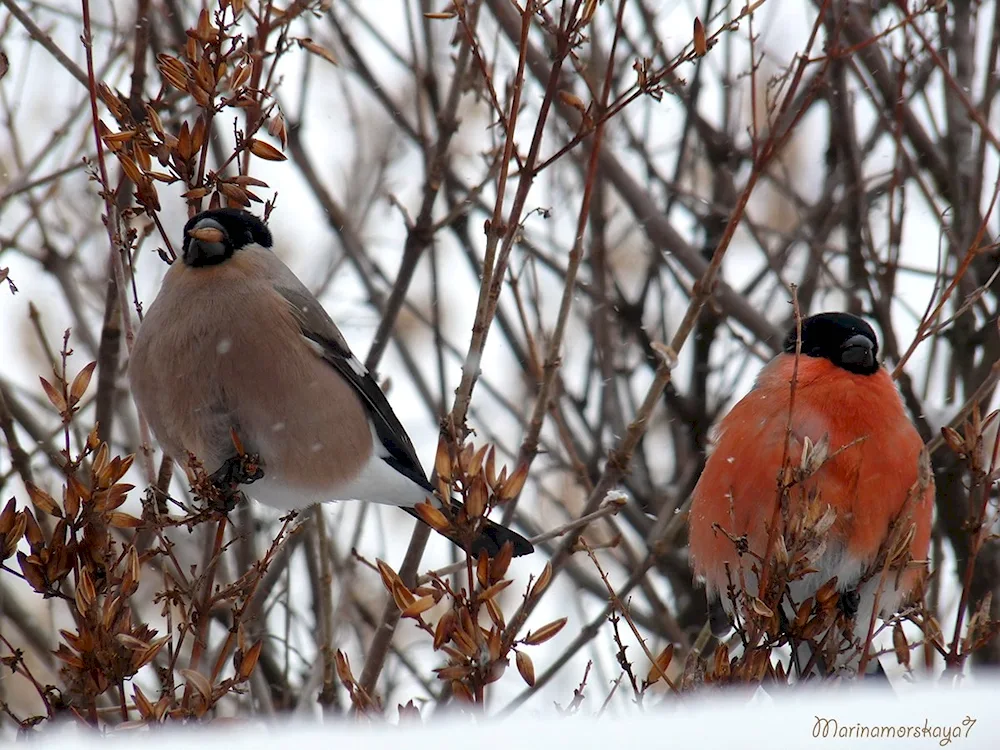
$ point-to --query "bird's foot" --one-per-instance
(849, 602)
(245, 468)
(242, 469)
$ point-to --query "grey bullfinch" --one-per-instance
(234, 343)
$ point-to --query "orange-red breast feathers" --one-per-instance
(873, 460)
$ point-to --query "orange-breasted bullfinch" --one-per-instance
(234, 343)
(872, 460)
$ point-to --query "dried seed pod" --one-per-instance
(525, 667)
(235, 195)
(7, 516)
(495, 589)
(123, 520)
(544, 579)
(496, 615)
(445, 627)
(318, 49)
(402, 596)
(475, 502)
(418, 607)
(658, 669)
(130, 578)
(142, 704)
(343, 668)
(899, 555)
(461, 691)
(827, 592)
(900, 645)
(432, 517)
(389, 576)
(483, 568)
(721, 669)
(699, 39)
(144, 656)
(500, 563)
(513, 486)
(491, 468)
(454, 672)
(85, 593)
(173, 72)
(54, 395)
(43, 501)
(802, 614)
(760, 608)
(476, 462)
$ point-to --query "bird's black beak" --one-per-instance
(858, 354)
(206, 244)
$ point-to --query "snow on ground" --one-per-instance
(853, 716)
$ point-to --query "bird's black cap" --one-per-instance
(844, 339)
(212, 237)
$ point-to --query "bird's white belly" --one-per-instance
(377, 482)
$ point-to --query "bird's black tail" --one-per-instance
(491, 538)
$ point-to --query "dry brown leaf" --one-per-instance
(54, 395)
(318, 49)
(264, 150)
(545, 632)
(123, 520)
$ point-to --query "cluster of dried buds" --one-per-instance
(467, 622)
(477, 654)
(79, 551)
(472, 475)
(969, 444)
(72, 555)
(217, 70)
(772, 618)
(977, 445)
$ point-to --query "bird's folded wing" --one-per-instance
(328, 342)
